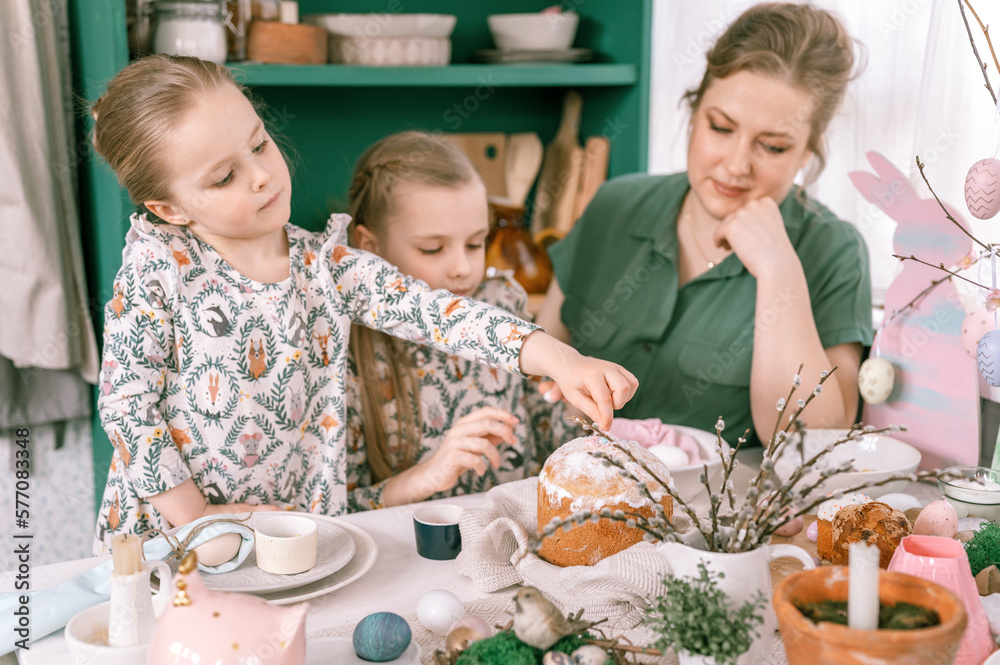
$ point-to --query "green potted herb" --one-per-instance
(695, 618)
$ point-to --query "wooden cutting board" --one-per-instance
(593, 172)
(524, 157)
(559, 179)
(487, 152)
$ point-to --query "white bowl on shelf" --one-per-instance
(390, 51)
(875, 457)
(384, 24)
(540, 31)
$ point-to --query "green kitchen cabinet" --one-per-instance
(325, 115)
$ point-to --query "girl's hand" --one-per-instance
(596, 387)
(185, 503)
(756, 233)
(471, 439)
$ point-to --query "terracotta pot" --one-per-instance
(807, 643)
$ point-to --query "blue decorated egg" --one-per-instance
(381, 636)
(988, 356)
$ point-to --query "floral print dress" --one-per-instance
(450, 388)
(240, 385)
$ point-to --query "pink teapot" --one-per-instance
(205, 626)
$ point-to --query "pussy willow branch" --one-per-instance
(940, 266)
(781, 412)
(975, 51)
(920, 167)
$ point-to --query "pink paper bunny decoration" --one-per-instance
(936, 391)
(203, 626)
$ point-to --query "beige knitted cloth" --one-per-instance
(495, 555)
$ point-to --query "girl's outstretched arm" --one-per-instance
(185, 503)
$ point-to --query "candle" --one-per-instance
(862, 589)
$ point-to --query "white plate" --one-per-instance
(340, 651)
(365, 553)
(335, 550)
(504, 56)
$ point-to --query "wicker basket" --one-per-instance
(390, 51)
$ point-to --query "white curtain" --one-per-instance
(45, 315)
(920, 94)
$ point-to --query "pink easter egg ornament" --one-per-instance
(982, 188)
(974, 326)
(988, 357)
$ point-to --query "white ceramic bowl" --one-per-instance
(533, 32)
(84, 631)
(976, 494)
(384, 24)
(875, 457)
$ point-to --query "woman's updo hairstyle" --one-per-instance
(136, 114)
(801, 45)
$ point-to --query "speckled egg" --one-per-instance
(812, 531)
(875, 380)
(791, 528)
(590, 654)
(988, 357)
(557, 658)
(974, 326)
(900, 501)
(938, 518)
(671, 456)
(381, 636)
(437, 610)
(982, 188)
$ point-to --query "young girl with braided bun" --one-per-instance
(225, 342)
(423, 422)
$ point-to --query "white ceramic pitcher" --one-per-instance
(745, 574)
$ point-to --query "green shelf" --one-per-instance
(557, 75)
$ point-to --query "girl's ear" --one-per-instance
(166, 212)
(365, 239)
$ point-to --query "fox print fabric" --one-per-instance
(240, 385)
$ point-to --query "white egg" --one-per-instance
(438, 609)
(875, 380)
(219, 550)
(900, 501)
(590, 654)
(476, 624)
(671, 456)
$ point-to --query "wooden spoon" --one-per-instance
(524, 158)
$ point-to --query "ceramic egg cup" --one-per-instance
(286, 544)
(435, 528)
(87, 637)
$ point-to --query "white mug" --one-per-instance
(286, 544)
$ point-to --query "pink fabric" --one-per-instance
(652, 431)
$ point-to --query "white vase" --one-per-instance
(745, 573)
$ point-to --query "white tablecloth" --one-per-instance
(395, 583)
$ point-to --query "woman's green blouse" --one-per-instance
(691, 347)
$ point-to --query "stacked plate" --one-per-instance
(345, 553)
(518, 57)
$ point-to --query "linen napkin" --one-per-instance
(495, 539)
(52, 608)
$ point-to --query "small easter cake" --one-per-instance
(824, 520)
(573, 479)
(875, 523)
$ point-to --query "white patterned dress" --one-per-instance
(450, 388)
(210, 375)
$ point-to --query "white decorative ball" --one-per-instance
(982, 188)
(875, 380)
(437, 610)
(988, 357)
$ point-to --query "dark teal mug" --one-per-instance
(436, 529)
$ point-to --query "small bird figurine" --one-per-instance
(539, 623)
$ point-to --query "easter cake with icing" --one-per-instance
(573, 479)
